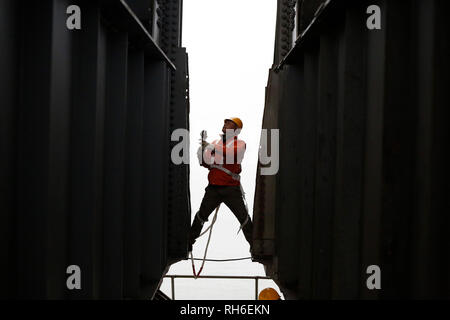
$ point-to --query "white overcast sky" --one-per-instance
(230, 44)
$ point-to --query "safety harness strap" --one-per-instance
(235, 176)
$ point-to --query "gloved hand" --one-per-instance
(200, 158)
(206, 145)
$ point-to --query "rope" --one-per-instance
(196, 275)
(207, 245)
(224, 260)
(212, 222)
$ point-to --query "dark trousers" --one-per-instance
(214, 195)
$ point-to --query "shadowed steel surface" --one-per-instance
(363, 176)
(86, 179)
(86, 118)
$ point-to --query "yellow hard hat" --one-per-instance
(269, 294)
(237, 121)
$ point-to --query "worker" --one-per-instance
(223, 158)
(269, 294)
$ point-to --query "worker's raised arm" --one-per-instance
(208, 155)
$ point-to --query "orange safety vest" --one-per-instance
(235, 150)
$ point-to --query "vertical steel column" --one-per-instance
(178, 118)
(178, 188)
(134, 177)
(289, 175)
(59, 152)
(114, 164)
(375, 95)
(155, 143)
(87, 125)
(9, 81)
(422, 242)
(32, 158)
(430, 241)
(399, 142)
(265, 194)
(440, 157)
(349, 155)
(307, 151)
(325, 162)
(43, 152)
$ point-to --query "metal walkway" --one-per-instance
(255, 278)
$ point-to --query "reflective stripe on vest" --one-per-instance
(235, 176)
